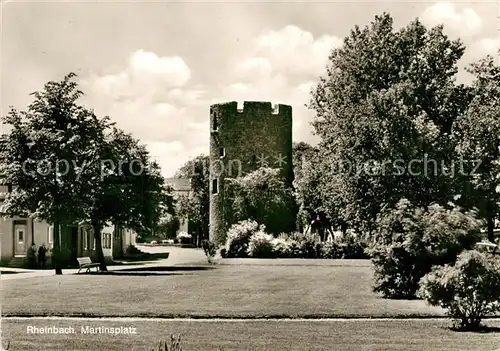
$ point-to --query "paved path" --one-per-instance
(177, 256)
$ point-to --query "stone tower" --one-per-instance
(241, 141)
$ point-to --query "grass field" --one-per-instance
(244, 289)
(332, 289)
(255, 335)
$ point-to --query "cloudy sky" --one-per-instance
(155, 67)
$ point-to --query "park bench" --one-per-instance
(86, 263)
(490, 247)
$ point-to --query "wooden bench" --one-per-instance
(86, 263)
(491, 247)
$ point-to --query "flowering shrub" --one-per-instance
(261, 245)
(332, 250)
(411, 240)
(469, 290)
(248, 239)
(353, 248)
(303, 245)
(282, 247)
(238, 238)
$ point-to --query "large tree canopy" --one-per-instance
(477, 140)
(387, 102)
(70, 167)
(47, 157)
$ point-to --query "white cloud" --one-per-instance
(305, 87)
(476, 51)
(486, 46)
(152, 99)
(254, 68)
(465, 22)
(147, 65)
(168, 154)
(146, 74)
(281, 67)
(291, 51)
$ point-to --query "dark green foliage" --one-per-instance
(409, 241)
(175, 344)
(468, 290)
(261, 245)
(261, 196)
(388, 94)
(348, 247)
(210, 249)
(196, 207)
(476, 139)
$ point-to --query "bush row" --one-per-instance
(248, 239)
(427, 253)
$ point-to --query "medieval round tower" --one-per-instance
(243, 139)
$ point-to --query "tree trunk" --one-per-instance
(56, 250)
(96, 226)
(490, 219)
(343, 228)
(491, 225)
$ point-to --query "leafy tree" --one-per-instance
(53, 131)
(70, 167)
(306, 181)
(196, 207)
(477, 135)
(301, 153)
(387, 95)
(261, 196)
(468, 290)
(168, 226)
(129, 190)
(410, 240)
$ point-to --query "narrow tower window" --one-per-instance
(215, 186)
(222, 152)
(215, 122)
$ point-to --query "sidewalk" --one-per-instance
(177, 256)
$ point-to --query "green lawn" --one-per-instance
(333, 288)
(255, 335)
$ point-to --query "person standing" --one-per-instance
(317, 227)
(42, 256)
(32, 256)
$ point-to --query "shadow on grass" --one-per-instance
(134, 274)
(481, 330)
(168, 269)
(10, 272)
(146, 256)
(152, 271)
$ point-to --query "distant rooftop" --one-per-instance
(179, 184)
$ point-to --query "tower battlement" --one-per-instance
(244, 107)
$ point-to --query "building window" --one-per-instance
(215, 124)
(222, 152)
(21, 236)
(215, 186)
